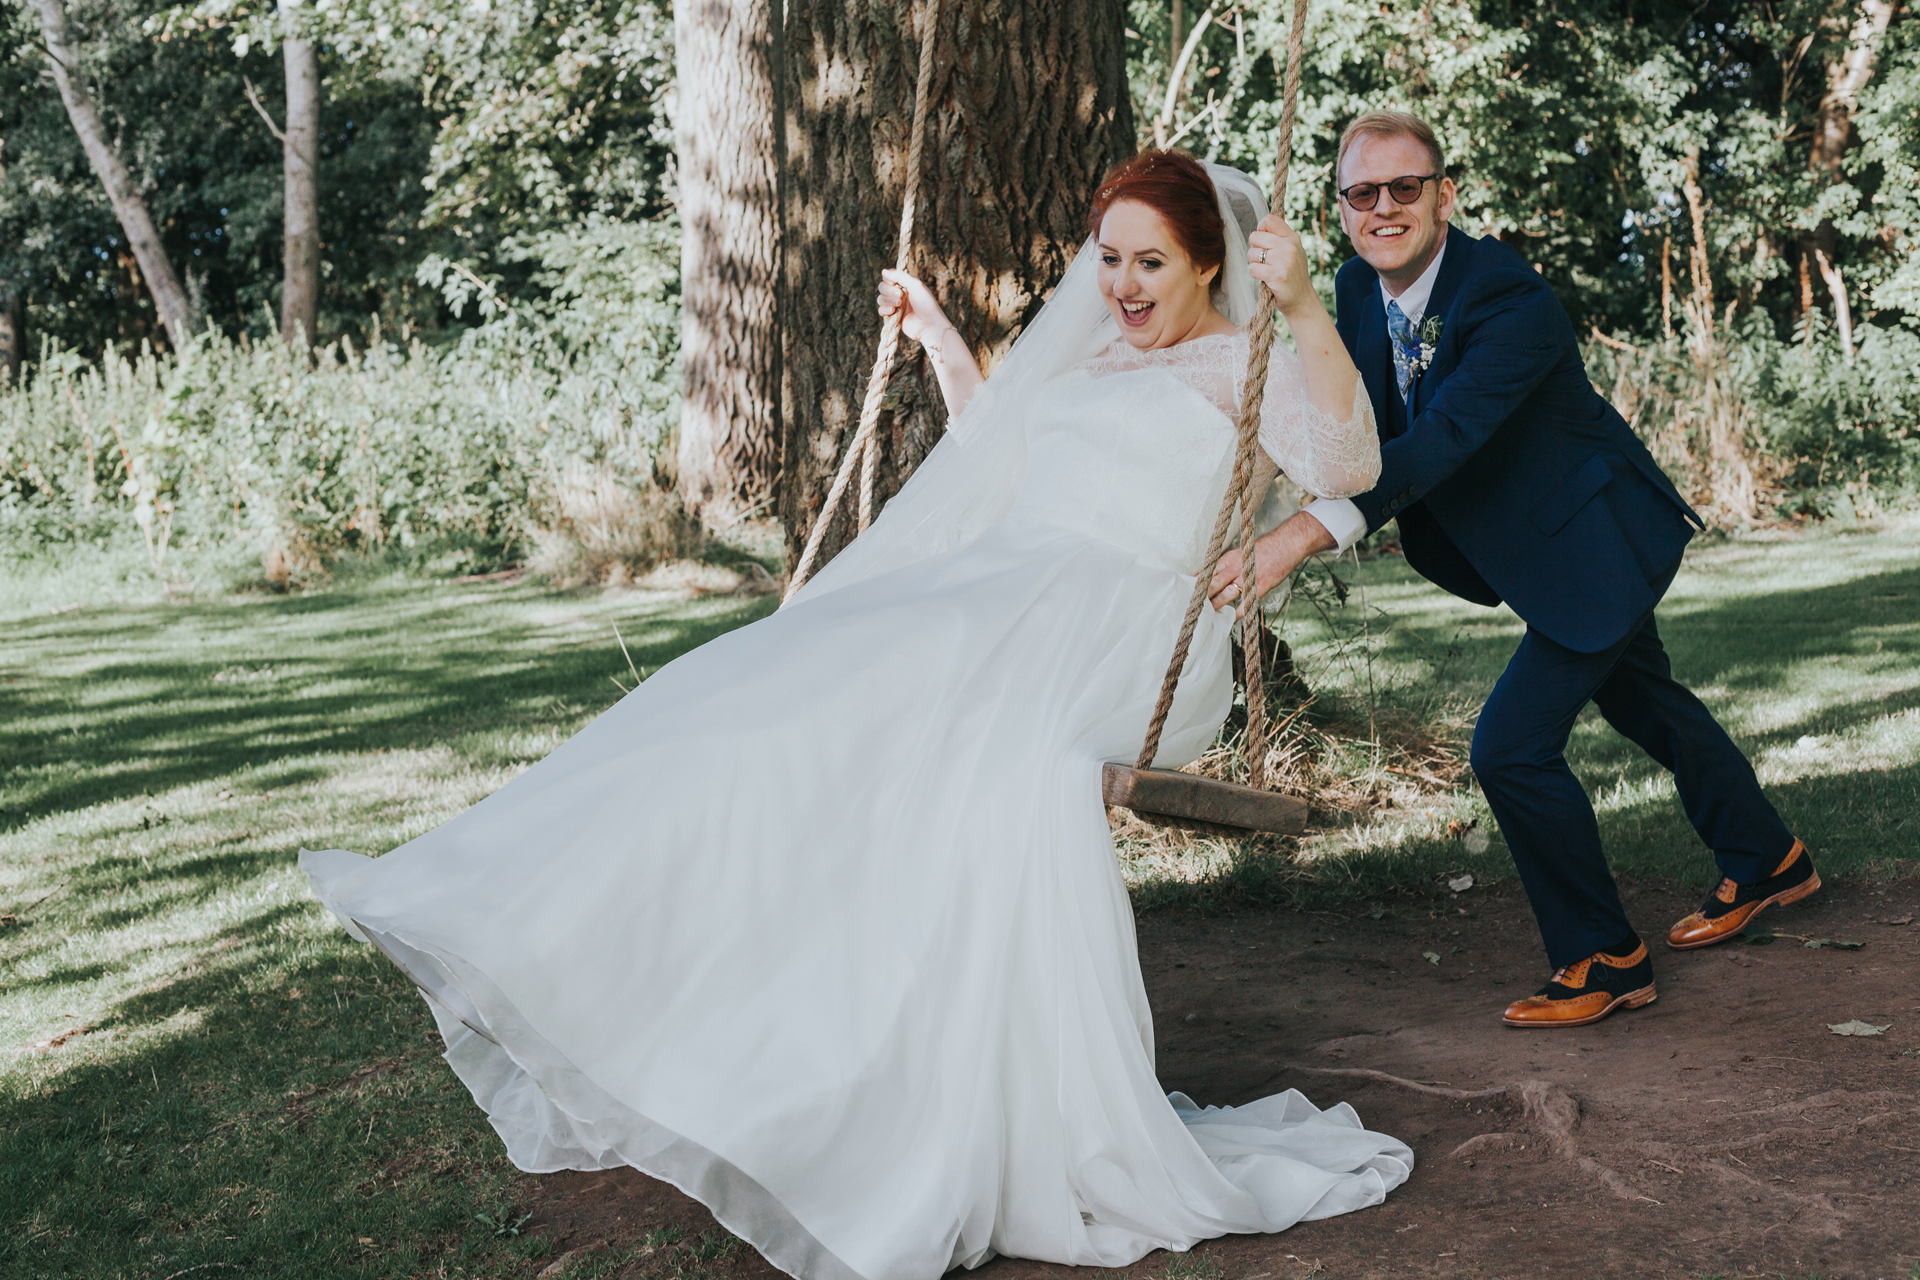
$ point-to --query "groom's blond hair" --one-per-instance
(1391, 124)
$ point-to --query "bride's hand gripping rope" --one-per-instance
(1276, 259)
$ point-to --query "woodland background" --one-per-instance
(587, 273)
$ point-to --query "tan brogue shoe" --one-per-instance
(1732, 907)
(1588, 991)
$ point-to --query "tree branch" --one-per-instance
(254, 98)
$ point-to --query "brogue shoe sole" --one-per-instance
(1784, 898)
(1631, 1000)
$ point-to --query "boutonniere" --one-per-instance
(1428, 341)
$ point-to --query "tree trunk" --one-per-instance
(13, 333)
(1029, 109)
(1833, 133)
(725, 122)
(300, 164)
(1846, 77)
(129, 206)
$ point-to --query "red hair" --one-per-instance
(1176, 186)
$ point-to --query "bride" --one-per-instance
(823, 923)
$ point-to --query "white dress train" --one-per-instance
(823, 922)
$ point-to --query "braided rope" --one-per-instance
(1240, 489)
(865, 448)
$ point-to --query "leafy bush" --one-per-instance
(1752, 427)
(250, 451)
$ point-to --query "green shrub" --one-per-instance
(1753, 427)
(255, 454)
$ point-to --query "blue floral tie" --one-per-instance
(1406, 347)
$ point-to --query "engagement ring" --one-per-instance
(1263, 257)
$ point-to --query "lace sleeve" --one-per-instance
(1327, 456)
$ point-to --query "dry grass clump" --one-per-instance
(1349, 762)
(605, 531)
(290, 561)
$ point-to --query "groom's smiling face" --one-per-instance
(1397, 240)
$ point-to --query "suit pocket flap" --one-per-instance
(1550, 514)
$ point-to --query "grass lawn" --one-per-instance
(163, 761)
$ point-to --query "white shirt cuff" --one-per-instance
(1341, 518)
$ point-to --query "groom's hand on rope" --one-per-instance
(1277, 554)
(920, 315)
(1276, 259)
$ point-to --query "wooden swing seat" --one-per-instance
(1187, 798)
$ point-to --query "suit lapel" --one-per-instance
(1453, 272)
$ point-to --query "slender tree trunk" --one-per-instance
(13, 333)
(726, 124)
(1833, 133)
(129, 206)
(1846, 77)
(300, 290)
(1029, 110)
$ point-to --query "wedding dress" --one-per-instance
(823, 922)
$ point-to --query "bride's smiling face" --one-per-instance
(1157, 296)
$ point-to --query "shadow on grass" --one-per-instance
(277, 1118)
(1839, 661)
(426, 671)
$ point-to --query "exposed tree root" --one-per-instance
(1551, 1112)
(1366, 1073)
(1555, 1114)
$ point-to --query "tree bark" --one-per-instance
(129, 206)
(13, 333)
(726, 123)
(300, 167)
(1029, 109)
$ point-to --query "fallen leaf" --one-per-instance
(54, 1042)
(1905, 919)
(1476, 841)
(1756, 939)
(1431, 957)
(1460, 885)
(1857, 1028)
(1848, 946)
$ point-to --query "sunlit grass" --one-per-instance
(200, 1069)
(1805, 645)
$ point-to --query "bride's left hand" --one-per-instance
(1276, 259)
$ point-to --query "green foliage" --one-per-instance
(244, 451)
(1568, 126)
(210, 168)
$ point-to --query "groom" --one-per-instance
(1513, 480)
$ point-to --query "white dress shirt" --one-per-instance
(1340, 517)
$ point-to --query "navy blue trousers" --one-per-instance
(1519, 758)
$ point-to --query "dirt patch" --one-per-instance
(1723, 1128)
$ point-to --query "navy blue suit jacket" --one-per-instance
(1512, 479)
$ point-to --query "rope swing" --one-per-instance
(865, 448)
(1159, 795)
(1184, 798)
